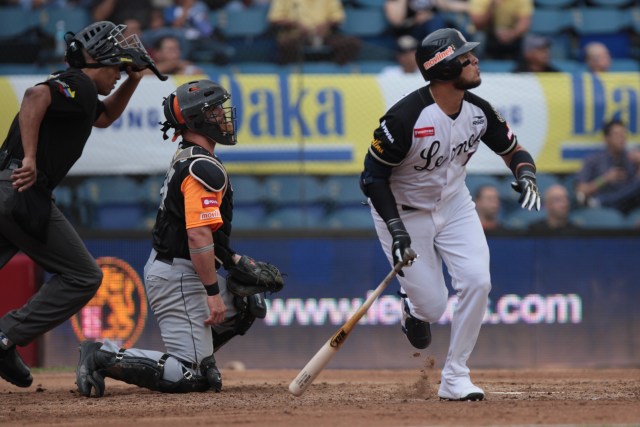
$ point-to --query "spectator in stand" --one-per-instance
(418, 18)
(557, 206)
(405, 58)
(123, 10)
(487, 200)
(536, 56)
(169, 60)
(192, 18)
(611, 177)
(597, 57)
(307, 26)
(503, 24)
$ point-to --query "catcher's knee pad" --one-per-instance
(249, 309)
(148, 373)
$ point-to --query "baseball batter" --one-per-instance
(197, 310)
(414, 177)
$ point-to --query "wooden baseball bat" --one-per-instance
(317, 363)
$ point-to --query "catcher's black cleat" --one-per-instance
(417, 331)
(12, 367)
(87, 375)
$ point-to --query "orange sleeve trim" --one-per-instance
(201, 207)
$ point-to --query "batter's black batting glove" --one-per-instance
(401, 241)
(528, 189)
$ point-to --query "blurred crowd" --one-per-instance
(312, 30)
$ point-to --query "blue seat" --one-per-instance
(15, 20)
(248, 195)
(555, 4)
(569, 65)
(520, 219)
(344, 190)
(241, 23)
(291, 190)
(374, 67)
(599, 218)
(370, 3)
(150, 189)
(601, 20)
(111, 202)
(610, 3)
(324, 67)
(551, 21)
(497, 66)
(246, 219)
(369, 22)
(624, 65)
(350, 218)
(633, 218)
(74, 18)
(297, 217)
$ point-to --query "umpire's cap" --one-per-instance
(436, 55)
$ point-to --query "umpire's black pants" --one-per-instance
(76, 276)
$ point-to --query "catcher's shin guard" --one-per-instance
(95, 364)
(249, 309)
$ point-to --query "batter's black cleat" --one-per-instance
(87, 375)
(417, 331)
(12, 367)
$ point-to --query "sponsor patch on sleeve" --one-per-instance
(423, 132)
(209, 202)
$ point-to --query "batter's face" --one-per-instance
(470, 77)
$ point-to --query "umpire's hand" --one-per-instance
(25, 176)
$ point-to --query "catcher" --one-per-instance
(198, 311)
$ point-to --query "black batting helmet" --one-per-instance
(436, 55)
(192, 106)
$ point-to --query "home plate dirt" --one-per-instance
(353, 398)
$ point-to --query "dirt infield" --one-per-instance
(337, 398)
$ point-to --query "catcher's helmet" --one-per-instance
(106, 44)
(192, 106)
(436, 55)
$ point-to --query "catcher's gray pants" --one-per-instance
(76, 276)
(179, 302)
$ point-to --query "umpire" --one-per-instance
(45, 139)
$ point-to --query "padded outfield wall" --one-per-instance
(568, 301)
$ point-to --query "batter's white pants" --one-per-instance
(451, 233)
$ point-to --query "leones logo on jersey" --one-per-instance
(118, 311)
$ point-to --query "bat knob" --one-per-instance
(409, 256)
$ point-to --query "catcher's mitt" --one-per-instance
(250, 277)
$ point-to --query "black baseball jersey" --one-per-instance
(66, 125)
(176, 213)
(423, 152)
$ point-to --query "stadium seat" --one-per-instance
(599, 218)
(74, 18)
(364, 22)
(64, 201)
(241, 23)
(555, 4)
(350, 218)
(343, 191)
(624, 65)
(569, 65)
(111, 202)
(248, 195)
(633, 218)
(370, 3)
(610, 3)
(600, 20)
(246, 220)
(15, 20)
(296, 217)
(374, 67)
(496, 66)
(551, 21)
(520, 219)
(294, 190)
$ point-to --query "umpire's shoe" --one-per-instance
(12, 368)
(87, 375)
(417, 331)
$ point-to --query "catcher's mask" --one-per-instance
(197, 106)
(437, 55)
(107, 45)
